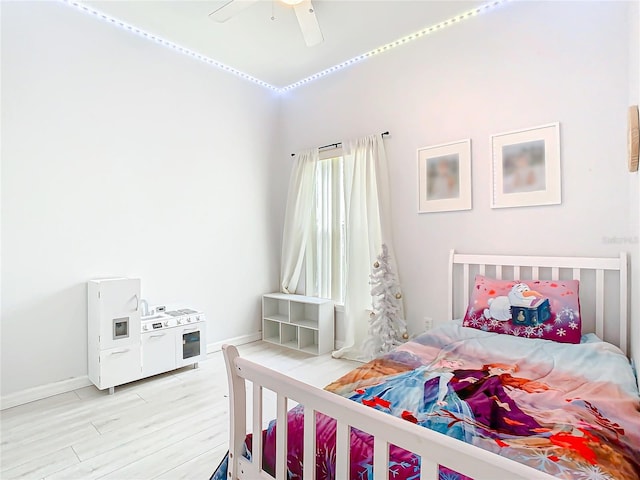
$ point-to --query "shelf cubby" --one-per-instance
(270, 331)
(275, 309)
(298, 322)
(308, 340)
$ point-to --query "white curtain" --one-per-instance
(298, 218)
(367, 228)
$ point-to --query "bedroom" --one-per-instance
(123, 158)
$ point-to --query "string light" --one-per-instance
(166, 43)
(376, 51)
(401, 41)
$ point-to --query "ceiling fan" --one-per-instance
(304, 12)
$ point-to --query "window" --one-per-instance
(325, 252)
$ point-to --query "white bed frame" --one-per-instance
(433, 448)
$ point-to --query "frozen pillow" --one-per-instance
(528, 308)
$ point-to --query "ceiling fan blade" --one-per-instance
(230, 9)
(308, 23)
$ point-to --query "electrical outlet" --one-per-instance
(428, 323)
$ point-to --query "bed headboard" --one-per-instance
(603, 286)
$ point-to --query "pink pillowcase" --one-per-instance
(519, 308)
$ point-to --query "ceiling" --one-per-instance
(274, 50)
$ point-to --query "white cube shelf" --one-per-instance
(298, 322)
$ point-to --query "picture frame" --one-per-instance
(525, 167)
(444, 177)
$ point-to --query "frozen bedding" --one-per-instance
(570, 410)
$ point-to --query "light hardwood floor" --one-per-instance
(171, 426)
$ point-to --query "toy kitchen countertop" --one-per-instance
(172, 339)
(170, 318)
(186, 315)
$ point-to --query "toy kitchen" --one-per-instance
(128, 340)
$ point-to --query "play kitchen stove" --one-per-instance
(172, 339)
(126, 343)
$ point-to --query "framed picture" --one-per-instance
(444, 177)
(525, 167)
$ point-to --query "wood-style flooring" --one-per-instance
(170, 427)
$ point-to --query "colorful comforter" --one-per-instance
(572, 411)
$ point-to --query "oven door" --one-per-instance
(191, 346)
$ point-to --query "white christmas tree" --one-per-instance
(387, 327)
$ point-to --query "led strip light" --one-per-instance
(203, 58)
(401, 41)
(168, 44)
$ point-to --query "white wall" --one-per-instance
(524, 64)
(120, 157)
(634, 179)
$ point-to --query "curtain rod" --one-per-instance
(339, 144)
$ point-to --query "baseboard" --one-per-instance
(64, 386)
(241, 340)
(43, 391)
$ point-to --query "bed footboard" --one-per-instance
(433, 448)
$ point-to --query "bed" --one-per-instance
(496, 406)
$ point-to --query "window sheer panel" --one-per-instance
(339, 259)
(325, 246)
